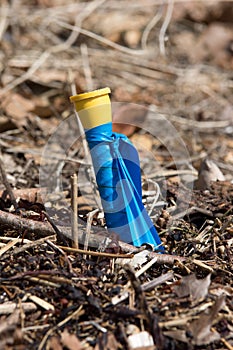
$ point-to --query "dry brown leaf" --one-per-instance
(200, 329)
(178, 335)
(208, 172)
(70, 341)
(17, 107)
(190, 285)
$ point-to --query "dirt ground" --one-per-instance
(169, 66)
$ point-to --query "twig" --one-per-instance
(101, 39)
(9, 307)
(149, 27)
(226, 343)
(165, 26)
(90, 217)
(93, 253)
(6, 184)
(35, 328)
(8, 246)
(171, 173)
(157, 281)
(39, 281)
(203, 265)
(146, 267)
(156, 197)
(189, 123)
(140, 296)
(4, 18)
(86, 67)
(42, 303)
(74, 210)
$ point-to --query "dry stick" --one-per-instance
(100, 38)
(86, 67)
(4, 18)
(171, 173)
(95, 240)
(189, 123)
(90, 217)
(156, 197)
(93, 253)
(74, 210)
(145, 267)
(152, 23)
(7, 185)
(165, 26)
(139, 295)
(10, 307)
(39, 281)
(157, 281)
(8, 246)
(226, 343)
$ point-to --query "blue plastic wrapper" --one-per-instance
(118, 176)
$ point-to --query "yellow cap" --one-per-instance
(90, 94)
(94, 107)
